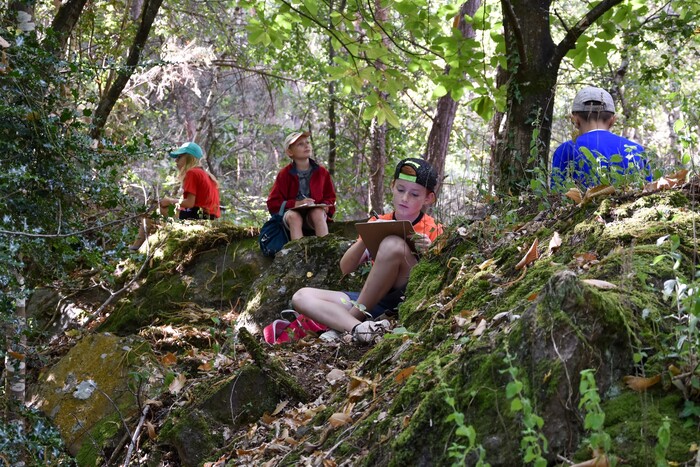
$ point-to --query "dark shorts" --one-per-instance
(388, 305)
(194, 213)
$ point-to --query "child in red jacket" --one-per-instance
(302, 183)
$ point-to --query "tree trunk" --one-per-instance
(378, 158)
(332, 124)
(376, 166)
(533, 66)
(104, 108)
(439, 137)
(65, 20)
(16, 352)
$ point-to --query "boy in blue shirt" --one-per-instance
(593, 114)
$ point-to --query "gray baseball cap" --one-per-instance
(592, 99)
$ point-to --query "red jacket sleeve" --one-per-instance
(285, 188)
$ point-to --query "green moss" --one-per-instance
(92, 449)
(633, 419)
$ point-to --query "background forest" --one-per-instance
(94, 93)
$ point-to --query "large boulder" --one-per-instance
(93, 393)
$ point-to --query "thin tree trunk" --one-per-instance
(65, 20)
(332, 123)
(377, 164)
(439, 137)
(15, 367)
(106, 104)
(378, 157)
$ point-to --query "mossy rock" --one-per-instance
(307, 262)
(92, 392)
(199, 268)
(196, 431)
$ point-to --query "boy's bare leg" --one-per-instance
(328, 307)
(390, 271)
(317, 219)
(294, 221)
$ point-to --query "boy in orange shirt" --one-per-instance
(412, 190)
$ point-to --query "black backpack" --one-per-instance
(273, 235)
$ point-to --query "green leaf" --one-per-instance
(483, 106)
(598, 58)
(392, 118)
(516, 405)
(439, 91)
(312, 6)
(678, 125)
(580, 59)
(594, 421)
(513, 388)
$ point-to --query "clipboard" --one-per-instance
(308, 206)
(372, 233)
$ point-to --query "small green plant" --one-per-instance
(35, 440)
(599, 440)
(685, 295)
(664, 439)
(533, 443)
(458, 451)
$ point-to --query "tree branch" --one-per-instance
(584, 23)
(104, 108)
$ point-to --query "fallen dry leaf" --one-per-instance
(585, 259)
(554, 243)
(639, 384)
(16, 355)
(597, 191)
(357, 387)
(169, 359)
(575, 195)
(219, 463)
(459, 322)
(151, 430)
(335, 375)
(403, 375)
(598, 461)
(177, 384)
(599, 284)
(339, 419)
(280, 407)
(206, 366)
(667, 182)
(481, 327)
(531, 255)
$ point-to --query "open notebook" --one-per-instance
(309, 206)
(373, 233)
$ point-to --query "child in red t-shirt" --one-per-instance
(200, 192)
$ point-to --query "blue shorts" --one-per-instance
(388, 305)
